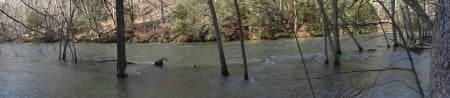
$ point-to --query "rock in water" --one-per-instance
(160, 62)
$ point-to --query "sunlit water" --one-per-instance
(275, 69)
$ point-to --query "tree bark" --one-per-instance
(325, 27)
(224, 68)
(162, 11)
(244, 57)
(120, 33)
(440, 57)
(335, 27)
(394, 30)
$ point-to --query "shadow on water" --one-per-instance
(122, 88)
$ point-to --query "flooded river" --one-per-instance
(275, 70)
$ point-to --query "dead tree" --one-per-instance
(335, 26)
(120, 31)
(326, 29)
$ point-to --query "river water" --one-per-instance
(275, 70)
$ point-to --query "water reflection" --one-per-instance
(122, 88)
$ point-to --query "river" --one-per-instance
(275, 70)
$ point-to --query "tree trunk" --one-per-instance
(224, 68)
(66, 42)
(440, 57)
(409, 27)
(394, 30)
(162, 11)
(325, 27)
(244, 57)
(120, 33)
(335, 27)
(132, 17)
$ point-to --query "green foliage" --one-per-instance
(34, 20)
(261, 18)
(89, 16)
(361, 12)
(191, 22)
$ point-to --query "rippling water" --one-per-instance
(33, 70)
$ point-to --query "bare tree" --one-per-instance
(120, 31)
(244, 57)
(223, 63)
(335, 26)
(394, 30)
(325, 27)
(440, 57)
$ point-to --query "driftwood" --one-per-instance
(158, 63)
(105, 61)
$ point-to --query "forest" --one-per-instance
(174, 48)
(178, 21)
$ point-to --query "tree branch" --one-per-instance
(15, 20)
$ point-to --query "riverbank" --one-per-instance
(159, 35)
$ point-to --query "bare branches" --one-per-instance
(414, 4)
(21, 23)
(37, 11)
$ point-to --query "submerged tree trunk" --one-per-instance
(440, 57)
(335, 28)
(66, 43)
(224, 68)
(325, 27)
(394, 30)
(120, 33)
(244, 57)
